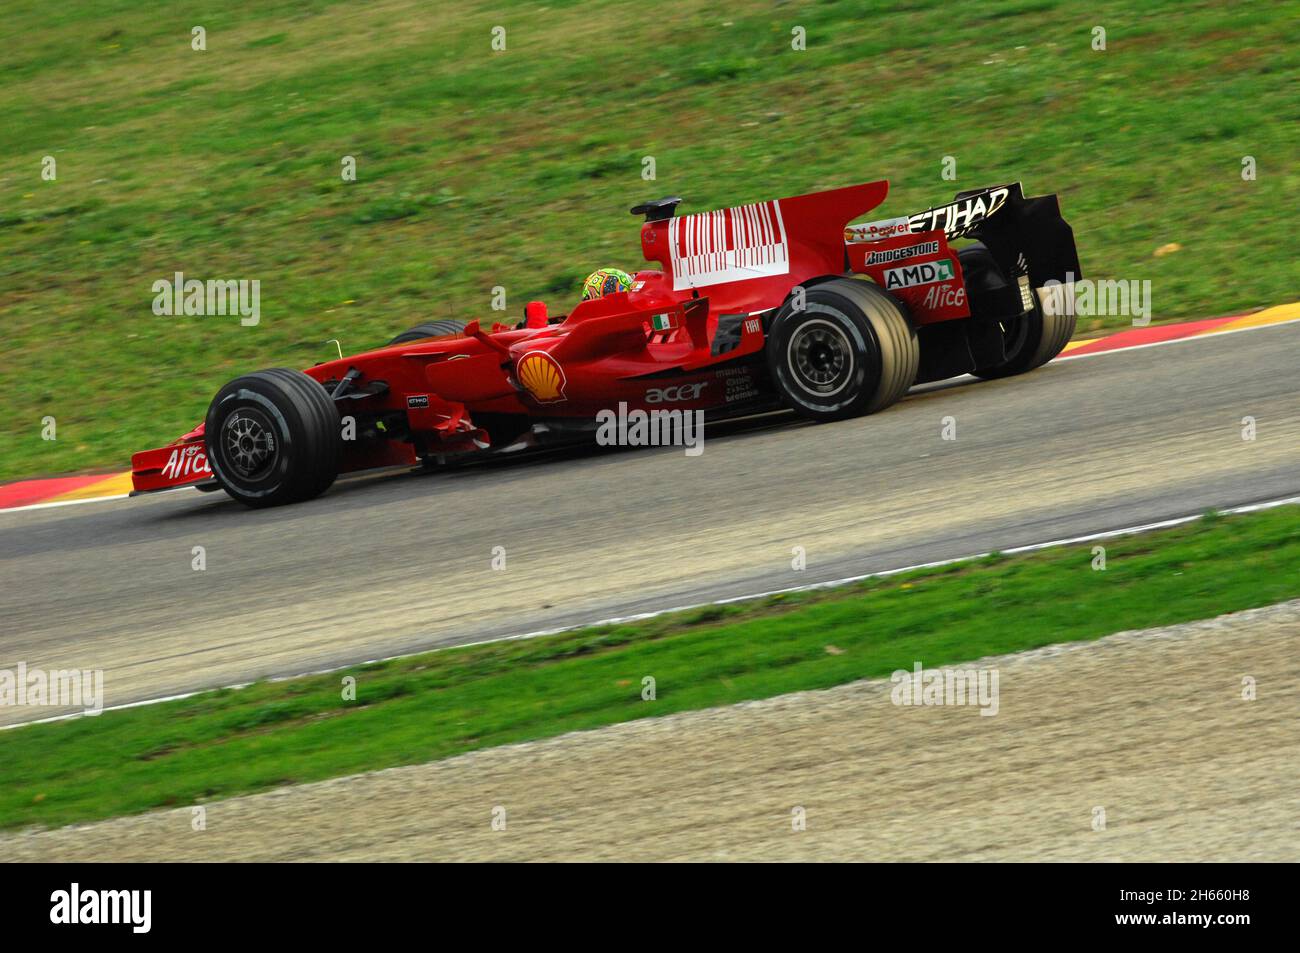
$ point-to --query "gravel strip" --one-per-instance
(1148, 726)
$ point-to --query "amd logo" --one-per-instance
(925, 273)
(671, 395)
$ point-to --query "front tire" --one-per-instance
(273, 437)
(851, 350)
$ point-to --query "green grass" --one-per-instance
(479, 169)
(435, 705)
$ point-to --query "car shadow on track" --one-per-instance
(355, 489)
(378, 487)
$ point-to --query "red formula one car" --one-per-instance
(778, 303)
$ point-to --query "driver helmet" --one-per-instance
(606, 281)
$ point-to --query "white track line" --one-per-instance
(642, 616)
(89, 499)
(47, 506)
(1064, 357)
(1203, 336)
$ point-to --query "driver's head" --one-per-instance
(606, 281)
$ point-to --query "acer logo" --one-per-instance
(670, 395)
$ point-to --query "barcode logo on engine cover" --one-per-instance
(729, 245)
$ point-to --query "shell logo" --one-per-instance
(541, 376)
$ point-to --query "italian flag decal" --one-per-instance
(663, 322)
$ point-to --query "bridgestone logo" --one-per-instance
(925, 273)
(898, 254)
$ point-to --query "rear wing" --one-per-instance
(746, 259)
(1024, 235)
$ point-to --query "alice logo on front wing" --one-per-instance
(187, 461)
(541, 375)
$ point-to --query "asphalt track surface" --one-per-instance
(402, 562)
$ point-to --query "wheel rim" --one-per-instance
(821, 357)
(248, 443)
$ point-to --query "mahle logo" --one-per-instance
(926, 273)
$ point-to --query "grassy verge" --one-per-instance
(439, 704)
(478, 168)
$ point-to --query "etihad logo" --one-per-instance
(541, 376)
(959, 217)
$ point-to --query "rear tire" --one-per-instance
(273, 437)
(1030, 342)
(430, 329)
(851, 350)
